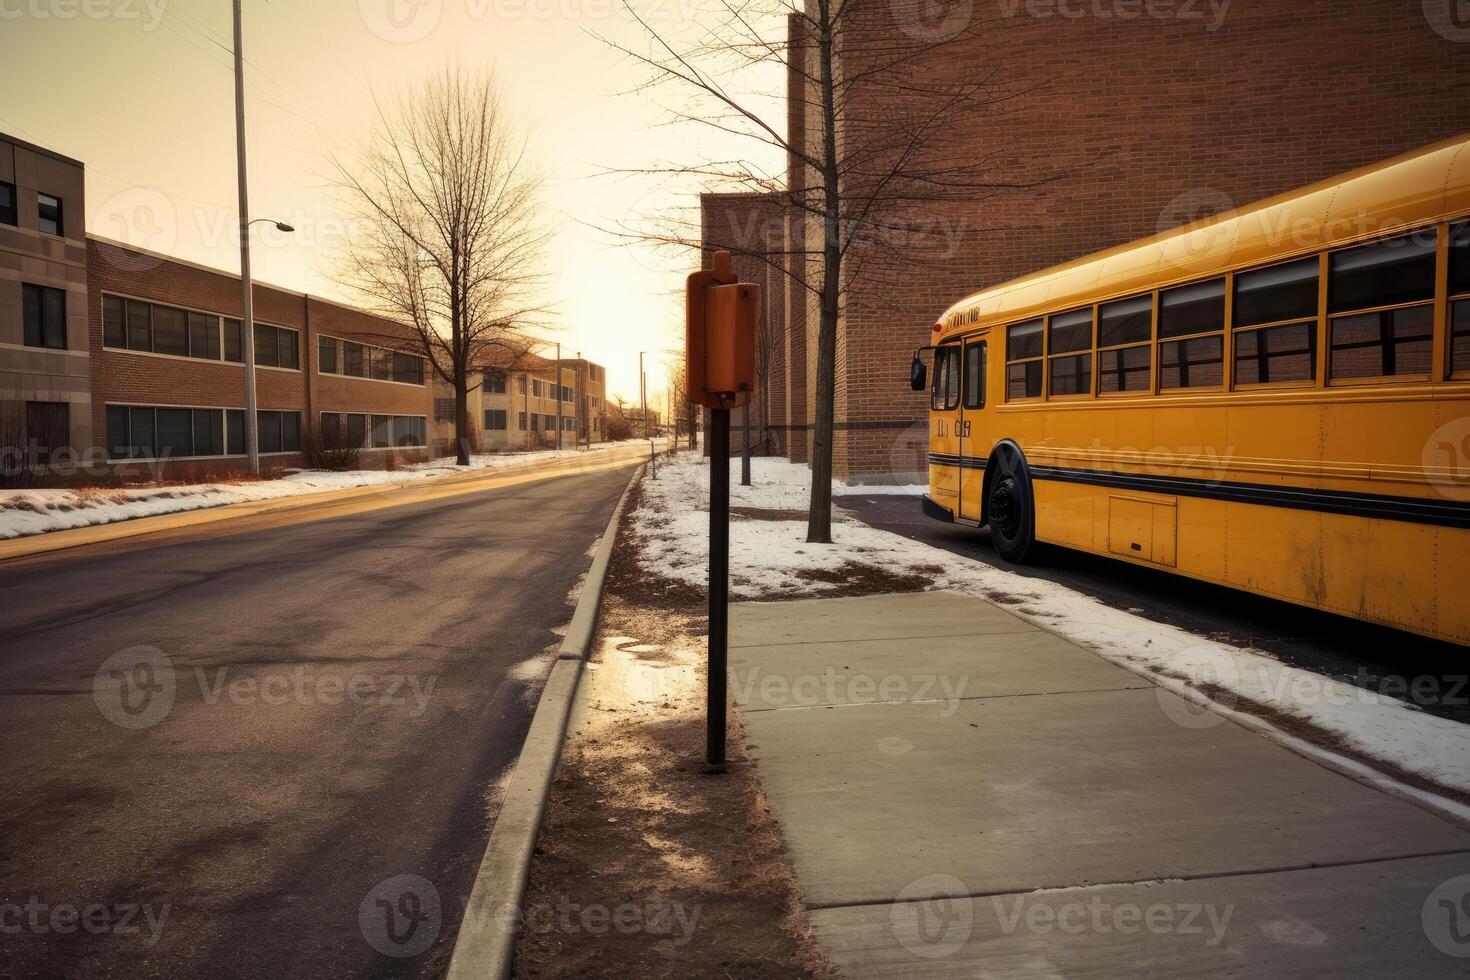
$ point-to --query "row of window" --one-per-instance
(1380, 313)
(541, 423)
(355, 430)
(156, 432)
(155, 328)
(355, 360)
(48, 210)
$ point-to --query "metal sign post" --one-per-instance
(719, 352)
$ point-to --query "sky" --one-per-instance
(142, 92)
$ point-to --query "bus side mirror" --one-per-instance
(917, 374)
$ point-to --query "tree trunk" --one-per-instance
(819, 512)
(461, 415)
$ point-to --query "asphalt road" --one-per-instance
(220, 753)
(1385, 660)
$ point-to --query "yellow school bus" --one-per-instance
(1276, 399)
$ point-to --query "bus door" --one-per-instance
(974, 440)
(944, 421)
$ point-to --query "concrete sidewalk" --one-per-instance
(965, 794)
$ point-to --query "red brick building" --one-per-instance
(1139, 116)
(165, 343)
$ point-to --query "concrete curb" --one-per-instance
(487, 936)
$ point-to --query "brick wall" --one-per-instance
(1125, 124)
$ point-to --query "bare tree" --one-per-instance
(872, 160)
(448, 236)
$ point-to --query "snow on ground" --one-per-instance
(766, 557)
(26, 512)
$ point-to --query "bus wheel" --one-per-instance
(1012, 518)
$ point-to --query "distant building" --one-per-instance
(517, 402)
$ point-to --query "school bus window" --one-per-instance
(1125, 330)
(1071, 372)
(1392, 273)
(1276, 294)
(1273, 354)
(1268, 347)
(1195, 314)
(945, 394)
(1460, 297)
(975, 375)
(1023, 360)
(1381, 342)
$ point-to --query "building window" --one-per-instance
(204, 336)
(1023, 359)
(523, 420)
(48, 214)
(495, 419)
(1195, 313)
(7, 203)
(48, 428)
(494, 381)
(44, 311)
(170, 331)
(382, 431)
(147, 432)
(132, 324)
(443, 409)
(408, 369)
(535, 421)
(1069, 357)
(1392, 284)
(233, 340)
(278, 432)
(566, 394)
(276, 347)
(520, 384)
(326, 355)
(536, 387)
(945, 393)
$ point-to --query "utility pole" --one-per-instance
(558, 395)
(247, 312)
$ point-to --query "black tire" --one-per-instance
(1008, 505)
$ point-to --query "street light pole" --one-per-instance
(247, 312)
(558, 395)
